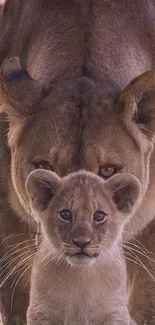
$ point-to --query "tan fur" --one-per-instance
(83, 111)
(67, 288)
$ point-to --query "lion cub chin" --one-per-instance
(79, 274)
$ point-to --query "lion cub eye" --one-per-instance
(107, 171)
(65, 215)
(100, 217)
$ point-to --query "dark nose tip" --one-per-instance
(81, 242)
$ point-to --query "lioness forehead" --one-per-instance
(75, 130)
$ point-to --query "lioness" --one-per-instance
(82, 218)
(74, 100)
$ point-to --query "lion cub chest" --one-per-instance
(64, 296)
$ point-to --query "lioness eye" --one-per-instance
(43, 165)
(65, 215)
(107, 171)
(100, 216)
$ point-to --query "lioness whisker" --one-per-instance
(140, 246)
(139, 252)
(12, 296)
(23, 264)
(132, 260)
(12, 271)
(8, 264)
(20, 243)
(132, 252)
(13, 252)
(31, 241)
(10, 236)
(139, 262)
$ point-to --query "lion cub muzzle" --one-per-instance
(81, 250)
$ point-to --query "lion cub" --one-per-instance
(79, 274)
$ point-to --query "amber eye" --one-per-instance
(107, 171)
(43, 165)
(100, 217)
(65, 215)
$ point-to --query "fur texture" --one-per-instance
(71, 104)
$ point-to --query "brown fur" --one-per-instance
(82, 112)
(90, 288)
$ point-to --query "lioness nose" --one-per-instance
(81, 242)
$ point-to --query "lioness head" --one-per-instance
(81, 215)
(77, 125)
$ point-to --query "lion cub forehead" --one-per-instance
(83, 190)
(83, 177)
(83, 182)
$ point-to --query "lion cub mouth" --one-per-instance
(82, 258)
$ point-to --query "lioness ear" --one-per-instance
(138, 100)
(41, 186)
(18, 89)
(124, 190)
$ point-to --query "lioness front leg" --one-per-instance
(119, 320)
(141, 278)
(38, 318)
(123, 322)
(40, 321)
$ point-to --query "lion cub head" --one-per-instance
(81, 215)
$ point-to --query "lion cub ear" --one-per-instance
(124, 190)
(18, 91)
(41, 187)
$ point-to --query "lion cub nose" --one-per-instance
(81, 242)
